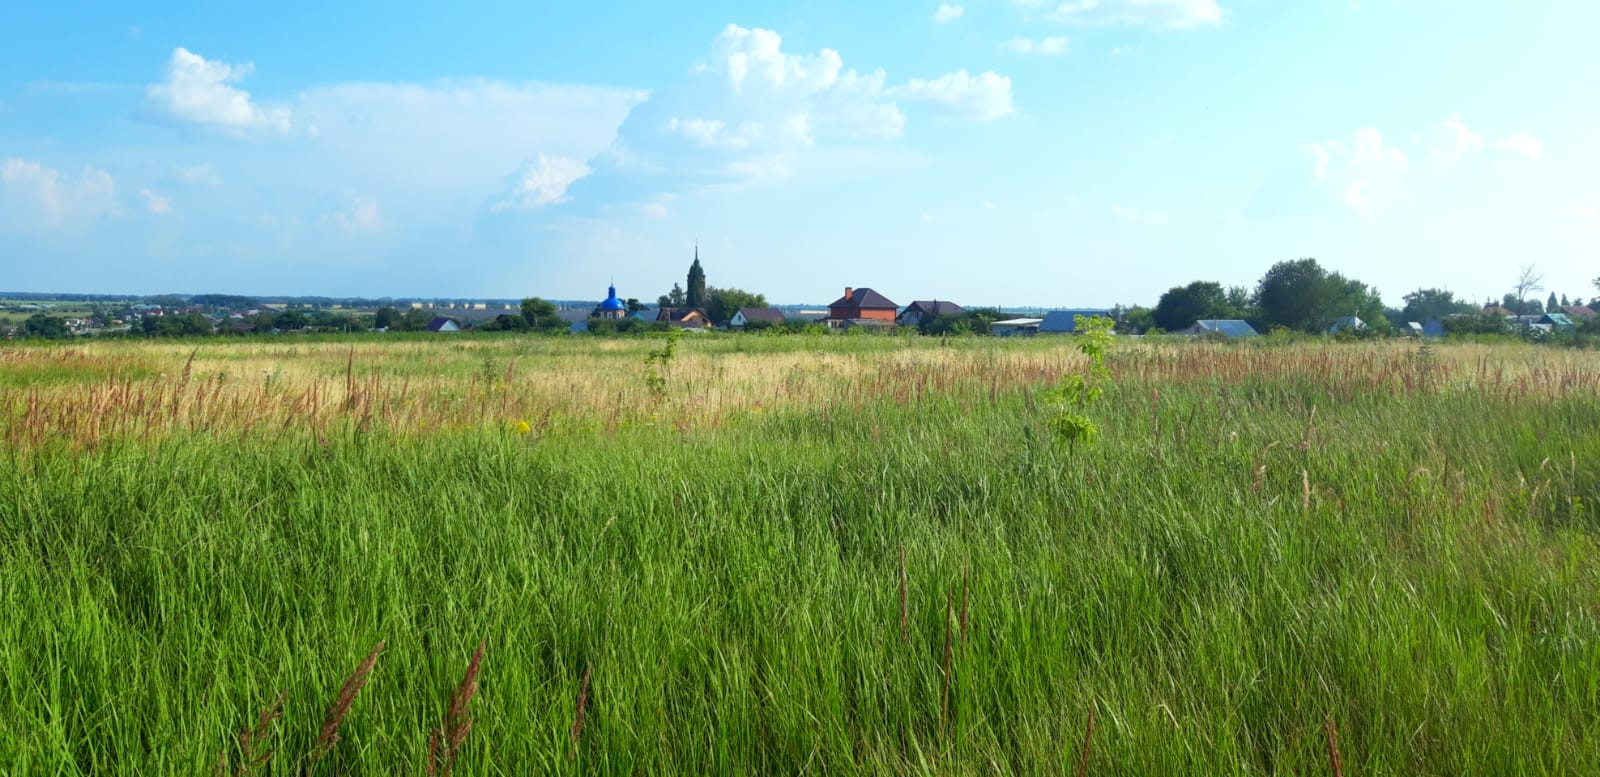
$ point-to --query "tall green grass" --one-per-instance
(1241, 558)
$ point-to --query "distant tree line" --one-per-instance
(1301, 296)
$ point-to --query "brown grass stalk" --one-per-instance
(1336, 763)
(253, 752)
(582, 710)
(445, 742)
(1083, 754)
(329, 735)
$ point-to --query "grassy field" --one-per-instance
(821, 555)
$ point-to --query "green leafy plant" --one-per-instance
(657, 362)
(1077, 392)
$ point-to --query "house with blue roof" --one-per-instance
(1230, 328)
(1066, 321)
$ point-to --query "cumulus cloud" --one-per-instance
(155, 203)
(1454, 141)
(781, 100)
(200, 91)
(788, 98)
(715, 133)
(543, 181)
(36, 197)
(983, 97)
(948, 12)
(1047, 46)
(1520, 144)
(361, 216)
(1363, 170)
(1160, 14)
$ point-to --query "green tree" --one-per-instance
(1553, 304)
(672, 299)
(721, 304)
(415, 320)
(634, 305)
(291, 320)
(541, 315)
(41, 325)
(1295, 294)
(1424, 305)
(1521, 307)
(386, 318)
(1300, 295)
(1181, 306)
(505, 322)
(695, 297)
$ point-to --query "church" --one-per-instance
(611, 307)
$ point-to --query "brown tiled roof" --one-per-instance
(1579, 311)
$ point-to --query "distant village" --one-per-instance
(1297, 296)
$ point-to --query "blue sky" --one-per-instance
(1024, 152)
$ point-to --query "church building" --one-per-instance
(611, 307)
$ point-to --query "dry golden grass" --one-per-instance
(86, 394)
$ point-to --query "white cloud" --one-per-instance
(1365, 171)
(198, 91)
(754, 57)
(983, 97)
(361, 216)
(543, 182)
(35, 197)
(948, 12)
(1134, 215)
(715, 133)
(1055, 44)
(199, 175)
(155, 203)
(1161, 14)
(1126, 51)
(781, 100)
(1454, 141)
(1521, 144)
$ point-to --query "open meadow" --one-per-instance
(805, 554)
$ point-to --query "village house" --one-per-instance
(1016, 327)
(1579, 312)
(1230, 328)
(861, 307)
(1061, 322)
(746, 316)
(442, 324)
(927, 310)
(684, 318)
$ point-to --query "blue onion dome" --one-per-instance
(612, 303)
